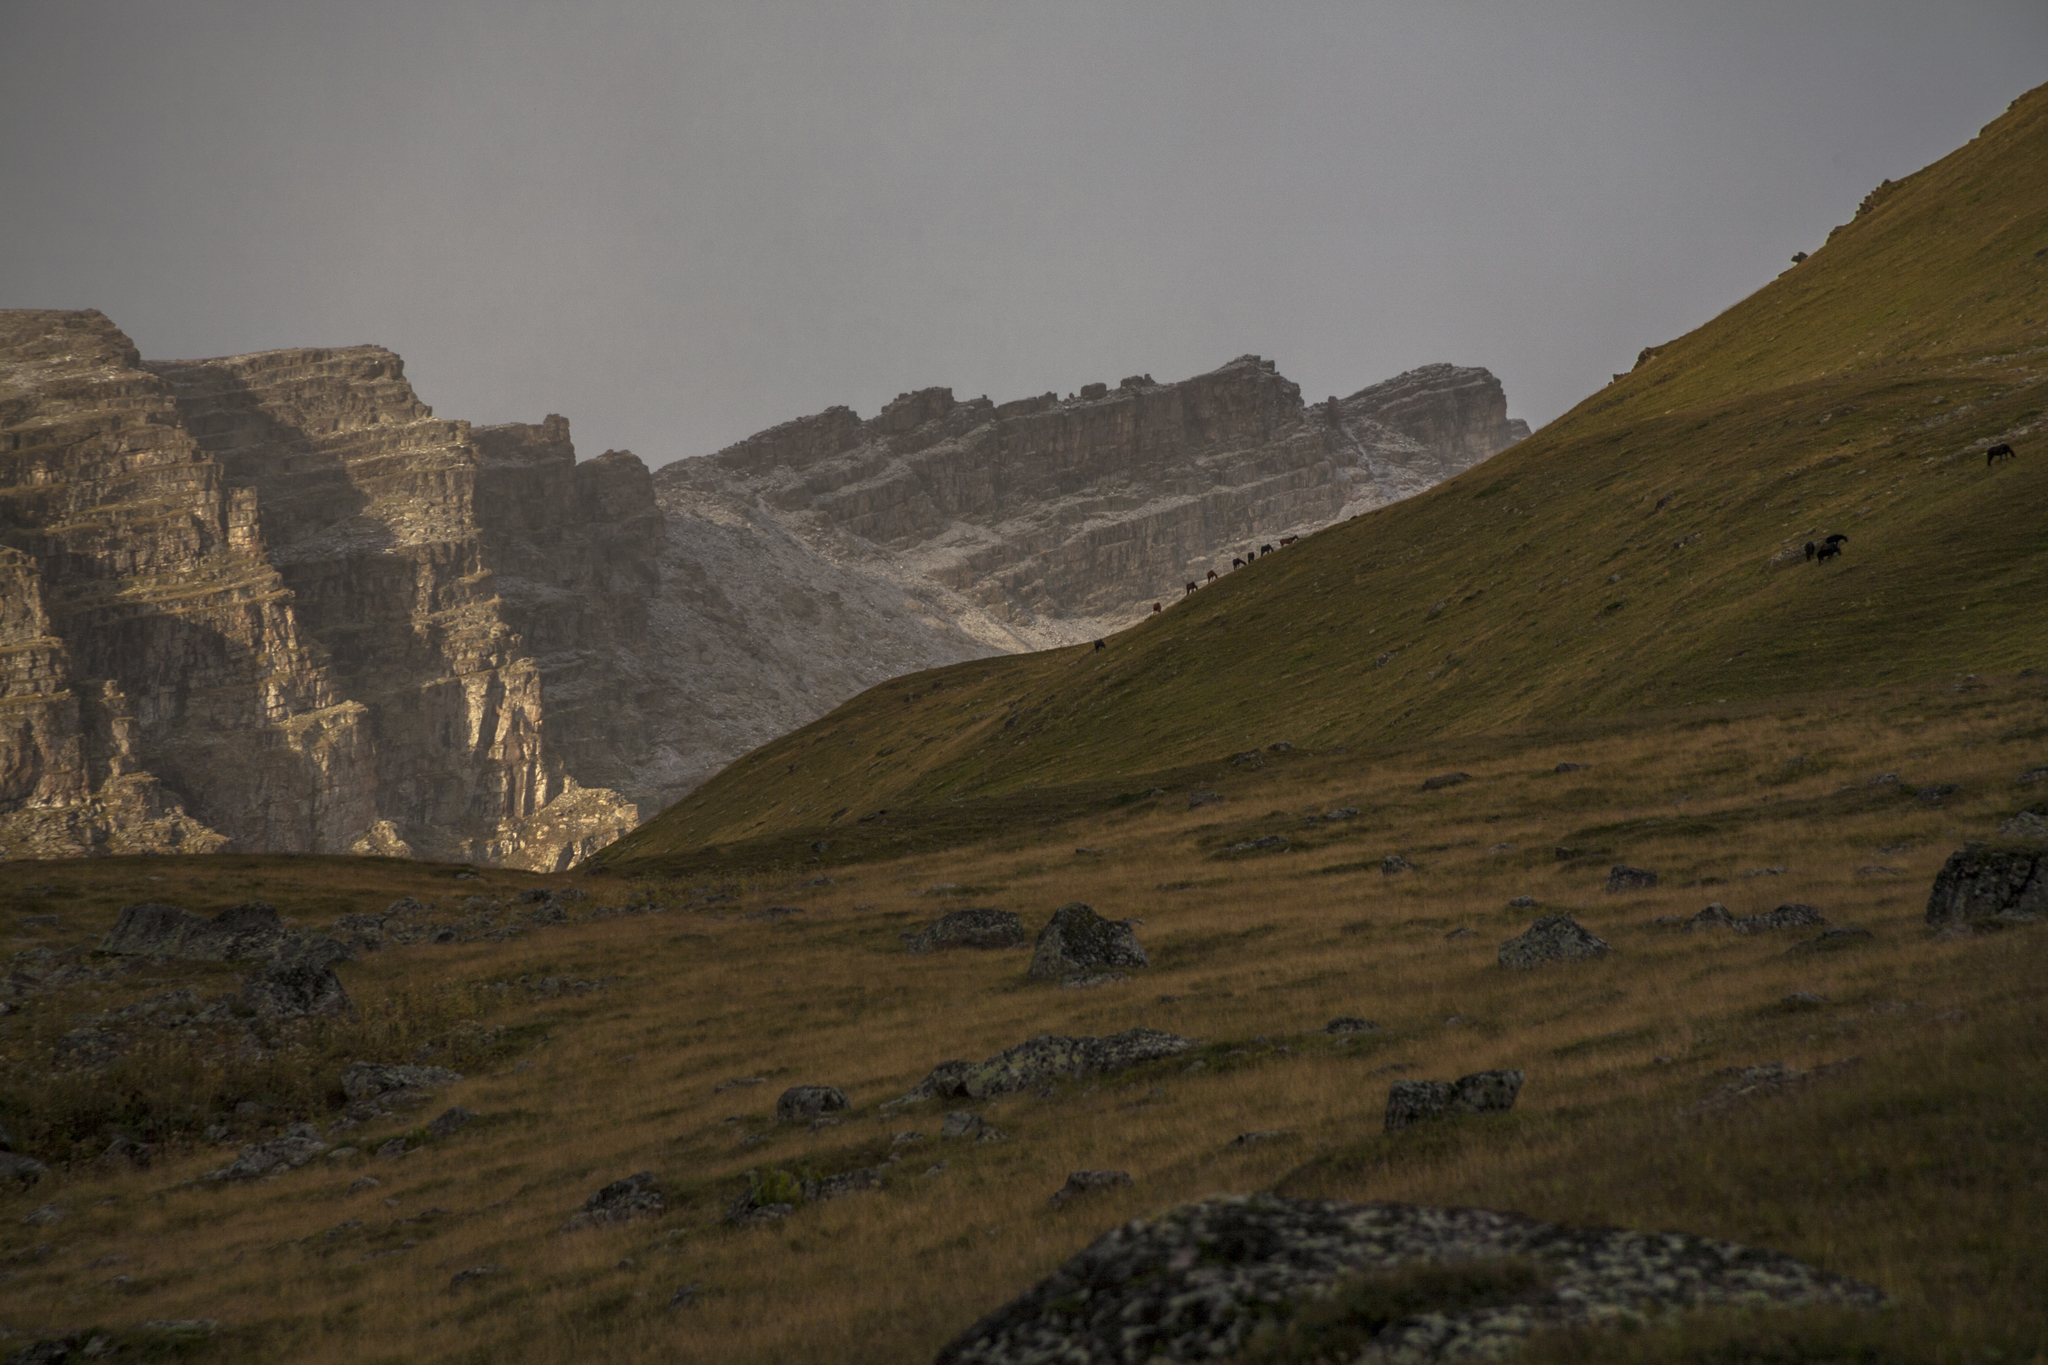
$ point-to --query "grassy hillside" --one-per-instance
(1621, 560)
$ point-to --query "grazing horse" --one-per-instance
(1237, 563)
(1810, 548)
(1100, 645)
(1190, 588)
(1288, 540)
(1212, 576)
(1828, 551)
(1265, 549)
(1155, 606)
(2000, 451)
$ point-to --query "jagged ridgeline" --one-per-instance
(272, 603)
(1645, 551)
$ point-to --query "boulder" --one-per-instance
(975, 927)
(1625, 878)
(1349, 1023)
(1483, 1092)
(802, 1103)
(1088, 1182)
(1791, 915)
(637, 1196)
(19, 1170)
(1990, 883)
(368, 1080)
(1715, 916)
(1553, 938)
(1394, 863)
(295, 990)
(297, 1145)
(1522, 903)
(1442, 780)
(1198, 1281)
(1079, 942)
(1046, 1058)
(2025, 824)
(449, 1120)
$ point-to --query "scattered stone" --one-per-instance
(299, 1144)
(1874, 870)
(1260, 845)
(1765, 872)
(723, 1086)
(126, 1153)
(1571, 767)
(1990, 884)
(1482, 1092)
(1936, 794)
(2025, 825)
(971, 928)
(1442, 780)
(1091, 980)
(802, 1103)
(637, 1196)
(1088, 1182)
(1045, 1058)
(1341, 813)
(1462, 931)
(370, 1080)
(1079, 942)
(1839, 937)
(1350, 1023)
(1394, 864)
(1803, 999)
(295, 990)
(21, 1170)
(1563, 854)
(251, 929)
(961, 1123)
(450, 1120)
(1772, 1078)
(1625, 878)
(1502, 848)
(1196, 1282)
(1715, 916)
(364, 1182)
(1553, 938)
(394, 1148)
(1198, 799)
(1791, 915)
(1243, 1140)
(45, 1215)
(2033, 775)
(775, 914)
(473, 1274)
(1522, 903)
(686, 1297)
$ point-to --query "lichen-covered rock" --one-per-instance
(637, 1196)
(1047, 1058)
(369, 1080)
(1196, 1282)
(1625, 878)
(1990, 882)
(1553, 938)
(298, 1144)
(974, 927)
(1482, 1092)
(802, 1103)
(251, 929)
(1078, 942)
(295, 990)
(1791, 915)
(1715, 916)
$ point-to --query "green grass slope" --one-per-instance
(1622, 560)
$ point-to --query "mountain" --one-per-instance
(1643, 552)
(271, 602)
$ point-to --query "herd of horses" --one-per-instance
(1817, 551)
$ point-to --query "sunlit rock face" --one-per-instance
(271, 602)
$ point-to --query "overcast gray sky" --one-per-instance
(678, 223)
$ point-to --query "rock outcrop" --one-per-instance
(271, 602)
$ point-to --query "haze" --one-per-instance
(678, 224)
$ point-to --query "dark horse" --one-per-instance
(2000, 451)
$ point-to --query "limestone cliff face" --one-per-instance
(253, 612)
(271, 602)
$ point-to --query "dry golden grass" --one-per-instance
(1917, 1168)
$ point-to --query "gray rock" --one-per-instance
(1791, 915)
(1088, 1182)
(1765, 872)
(1394, 863)
(1571, 767)
(1350, 1023)
(2033, 775)
(637, 1196)
(450, 1120)
(1990, 883)
(1197, 1281)
(803, 1103)
(1462, 931)
(48, 1351)
(1482, 1092)
(1625, 878)
(1266, 843)
(1936, 793)
(298, 1144)
(1772, 1078)
(1715, 916)
(971, 928)
(2024, 825)
(1199, 799)
(1522, 903)
(1553, 938)
(1078, 942)
(295, 990)
(1803, 999)
(251, 929)
(369, 1080)
(1442, 780)
(364, 1182)
(1841, 936)
(1341, 813)
(1091, 980)
(45, 1215)
(21, 1170)
(1046, 1058)
(473, 1274)
(961, 1123)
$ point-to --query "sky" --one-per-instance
(680, 223)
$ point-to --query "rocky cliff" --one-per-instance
(270, 601)
(249, 608)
